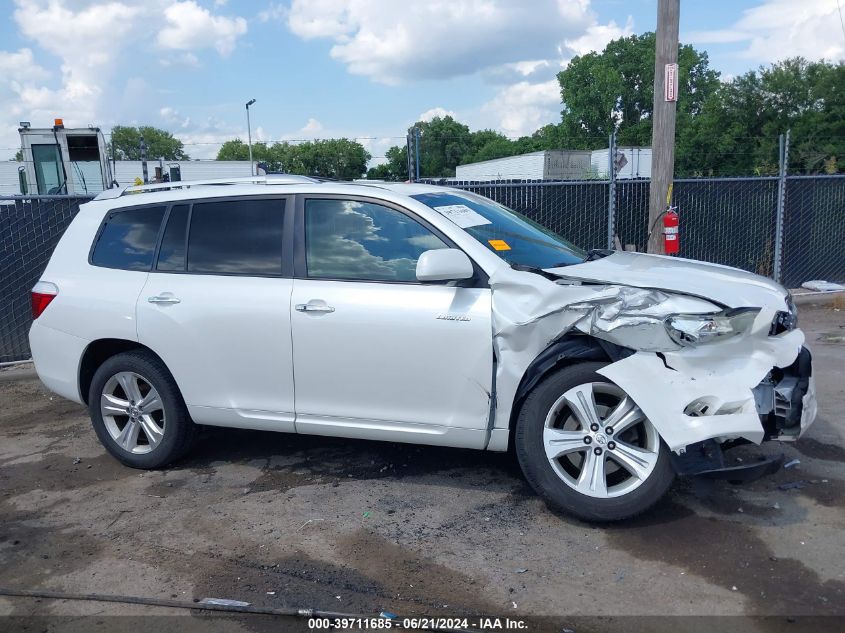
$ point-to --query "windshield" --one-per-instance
(512, 236)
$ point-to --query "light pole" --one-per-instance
(249, 137)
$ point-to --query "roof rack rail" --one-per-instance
(270, 179)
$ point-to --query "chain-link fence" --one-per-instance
(813, 229)
(30, 228)
(576, 210)
(732, 221)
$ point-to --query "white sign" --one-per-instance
(670, 82)
(462, 215)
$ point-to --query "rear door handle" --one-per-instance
(164, 298)
(313, 307)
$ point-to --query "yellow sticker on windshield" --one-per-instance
(499, 245)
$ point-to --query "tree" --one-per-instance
(236, 149)
(339, 159)
(19, 156)
(160, 143)
(395, 168)
(613, 90)
(737, 131)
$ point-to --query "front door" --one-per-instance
(216, 308)
(377, 354)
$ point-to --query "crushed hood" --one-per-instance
(728, 286)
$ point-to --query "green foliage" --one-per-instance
(737, 131)
(19, 156)
(340, 159)
(395, 168)
(160, 143)
(614, 90)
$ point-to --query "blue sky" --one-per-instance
(356, 68)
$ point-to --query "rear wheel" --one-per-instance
(588, 449)
(138, 412)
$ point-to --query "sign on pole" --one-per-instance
(670, 82)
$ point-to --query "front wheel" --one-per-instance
(588, 449)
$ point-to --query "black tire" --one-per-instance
(179, 429)
(539, 472)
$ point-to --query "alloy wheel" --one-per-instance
(133, 412)
(599, 442)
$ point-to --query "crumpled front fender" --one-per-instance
(690, 394)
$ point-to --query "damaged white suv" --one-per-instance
(413, 313)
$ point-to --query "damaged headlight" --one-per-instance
(695, 329)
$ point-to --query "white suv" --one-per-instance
(413, 313)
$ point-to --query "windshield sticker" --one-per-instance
(462, 215)
(499, 245)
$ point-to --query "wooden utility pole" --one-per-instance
(663, 116)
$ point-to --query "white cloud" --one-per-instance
(188, 60)
(428, 115)
(274, 12)
(597, 36)
(523, 107)
(85, 40)
(190, 27)
(776, 29)
(20, 68)
(392, 41)
(313, 126)
(172, 116)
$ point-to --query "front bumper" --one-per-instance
(786, 403)
(786, 399)
(714, 392)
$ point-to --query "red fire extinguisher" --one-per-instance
(671, 238)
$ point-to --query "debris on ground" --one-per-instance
(520, 570)
(792, 485)
(223, 602)
(77, 460)
(794, 462)
(822, 286)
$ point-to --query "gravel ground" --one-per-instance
(279, 520)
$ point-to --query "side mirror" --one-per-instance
(444, 264)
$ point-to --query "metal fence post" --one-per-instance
(611, 199)
(783, 159)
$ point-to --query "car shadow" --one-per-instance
(332, 459)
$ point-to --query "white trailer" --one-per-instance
(636, 163)
(542, 165)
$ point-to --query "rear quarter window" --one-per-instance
(128, 238)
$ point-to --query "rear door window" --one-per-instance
(128, 239)
(236, 237)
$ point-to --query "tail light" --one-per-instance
(42, 294)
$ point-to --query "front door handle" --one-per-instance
(164, 298)
(313, 307)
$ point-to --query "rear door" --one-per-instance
(376, 353)
(216, 308)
